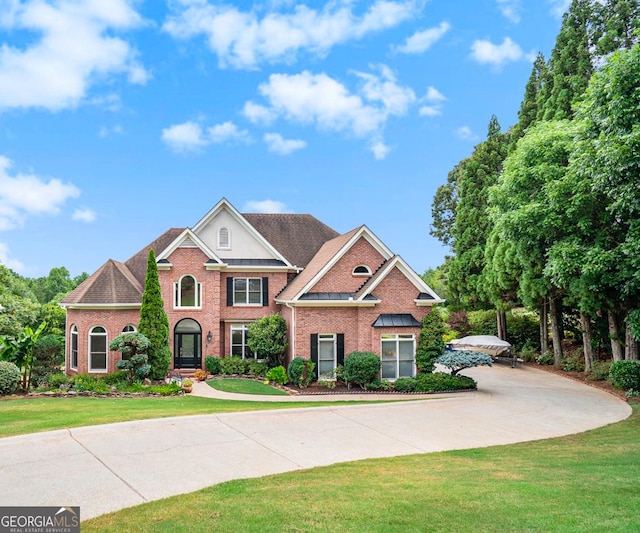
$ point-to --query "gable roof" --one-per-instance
(137, 264)
(112, 283)
(188, 239)
(297, 237)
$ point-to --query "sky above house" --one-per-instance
(120, 119)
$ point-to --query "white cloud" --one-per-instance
(379, 149)
(485, 52)
(434, 98)
(244, 39)
(227, 132)
(423, 40)
(264, 206)
(75, 46)
(465, 133)
(27, 194)
(559, 7)
(258, 114)
(84, 215)
(190, 136)
(278, 145)
(510, 9)
(8, 261)
(321, 101)
(113, 130)
(429, 111)
(184, 137)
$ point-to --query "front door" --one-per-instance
(187, 344)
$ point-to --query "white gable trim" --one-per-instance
(224, 204)
(190, 240)
(363, 232)
(410, 274)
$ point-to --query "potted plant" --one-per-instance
(200, 374)
(187, 385)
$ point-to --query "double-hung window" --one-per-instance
(98, 349)
(239, 344)
(247, 291)
(187, 292)
(73, 363)
(398, 356)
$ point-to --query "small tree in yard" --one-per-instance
(458, 360)
(431, 343)
(361, 368)
(20, 351)
(154, 323)
(134, 348)
(268, 338)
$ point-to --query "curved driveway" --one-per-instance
(105, 468)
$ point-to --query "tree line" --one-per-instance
(545, 214)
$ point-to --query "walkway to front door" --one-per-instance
(187, 351)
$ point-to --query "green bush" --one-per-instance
(115, 379)
(599, 371)
(405, 385)
(48, 354)
(458, 360)
(136, 367)
(573, 362)
(257, 368)
(545, 359)
(59, 380)
(212, 364)
(361, 368)
(88, 382)
(380, 384)
(430, 341)
(277, 375)
(9, 377)
(625, 375)
(442, 382)
(233, 365)
(301, 372)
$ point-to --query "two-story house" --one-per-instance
(337, 293)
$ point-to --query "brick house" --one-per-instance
(337, 293)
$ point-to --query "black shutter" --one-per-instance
(229, 292)
(340, 349)
(265, 292)
(314, 352)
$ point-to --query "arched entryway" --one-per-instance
(187, 343)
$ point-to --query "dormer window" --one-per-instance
(362, 270)
(224, 239)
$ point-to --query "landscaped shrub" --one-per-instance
(134, 347)
(405, 385)
(277, 375)
(9, 377)
(258, 368)
(573, 362)
(361, 368)
(212, 364)
(233, 365)
(599, 371)
(545, 359)
(301, 372)
(48, 355)
(87, 382)
(442, 382)
(458, 360)
(59, 380)
(625, 375)
(136, 367)
(431, 341)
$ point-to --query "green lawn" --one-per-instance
(582, 483)
(245, 386)
(43, 414)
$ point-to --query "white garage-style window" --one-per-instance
(98, 349)
(73, 361)
(187, 293)
(398, 356)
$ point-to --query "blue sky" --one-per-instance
(120, 119)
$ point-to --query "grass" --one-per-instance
(32, 415)
(582, 483)
(245, 386)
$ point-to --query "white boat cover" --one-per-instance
(488, 344)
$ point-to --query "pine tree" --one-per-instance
(528, 113)
(154, 323)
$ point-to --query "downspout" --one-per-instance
(293, 329)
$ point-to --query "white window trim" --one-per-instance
(398, 337)
(244, 328)
(73, 333)
(367, 273)
(326, 338)
(177, 293)
(222, 245)
(106, 357)
(126, 330)
(236, 304)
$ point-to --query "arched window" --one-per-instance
(73, 356)
(98, 349)
(362, 270)
(224, 239)
(187, 292)
(129, 328)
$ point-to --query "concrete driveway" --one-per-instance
(105, 468)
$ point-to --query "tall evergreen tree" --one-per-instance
(620, 21)
(571, 63)
(154, 323)
(444, 205)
